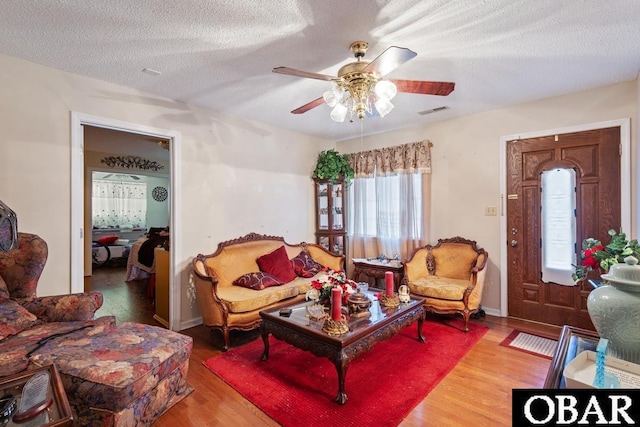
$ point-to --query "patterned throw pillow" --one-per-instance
(277, 264)
(257, 281)
(14, 318)
(305, 266)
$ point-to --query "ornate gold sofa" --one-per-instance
(449, 276)
(225, 306)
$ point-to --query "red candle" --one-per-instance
(388, 278)
(336, 304)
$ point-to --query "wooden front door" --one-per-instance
(595, 157)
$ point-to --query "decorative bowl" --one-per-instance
(359, 305)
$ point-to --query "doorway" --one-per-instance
(560, 190)
(78, 195)
(522, 240)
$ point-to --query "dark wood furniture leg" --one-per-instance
(265, 339)
(225, 338)
(341, 368)
(420, 323)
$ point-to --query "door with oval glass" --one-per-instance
(560, 190)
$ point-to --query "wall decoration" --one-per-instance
(131, 162)
(159, 194)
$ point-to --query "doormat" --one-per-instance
(532, 344)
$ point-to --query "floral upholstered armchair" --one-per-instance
(125, 374)
(114, 375)
(449, 276)
(26, 320)
(20, 270)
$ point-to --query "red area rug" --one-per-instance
(295, 388)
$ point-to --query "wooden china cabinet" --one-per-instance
(330, 215)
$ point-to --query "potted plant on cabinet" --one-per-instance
(332, 166)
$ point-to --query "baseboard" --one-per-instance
(190, 323)
(492, 312)
(161, 321)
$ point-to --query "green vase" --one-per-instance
(615, 310)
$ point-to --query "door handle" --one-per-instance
(514, 243)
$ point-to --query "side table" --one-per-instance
(572, 342)
(57, 414)
(371, 271)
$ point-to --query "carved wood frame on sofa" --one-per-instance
(227, 307)
(449, 276)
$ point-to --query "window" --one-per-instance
(389, 200)
(384, 218)
(119, 203)
(558, 195)
(388, 208)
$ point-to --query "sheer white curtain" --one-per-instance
(389, 201)
(119, 204)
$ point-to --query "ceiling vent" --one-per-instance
(151, 71)
(433, 110)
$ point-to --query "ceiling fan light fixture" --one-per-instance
(358, 88)
(333, 96)
(383, 106)
(385, 89)
(339, 112)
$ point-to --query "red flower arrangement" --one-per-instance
(596, 256)
(321, 287)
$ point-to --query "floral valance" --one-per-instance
(414, 157)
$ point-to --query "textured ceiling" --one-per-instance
(219, 54)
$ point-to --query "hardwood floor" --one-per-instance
(127, 301)
(476, 392)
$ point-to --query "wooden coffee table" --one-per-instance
(301, 332)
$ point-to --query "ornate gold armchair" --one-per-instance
(449, 276)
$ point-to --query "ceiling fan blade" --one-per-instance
(424, 87)
(301, 73)
(389, 60)
(309, 106)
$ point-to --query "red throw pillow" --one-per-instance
(305, 266)
(277, 263)
(108, 240)
(257, 281)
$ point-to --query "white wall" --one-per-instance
(157, 211)
(466, 169)
(238, 176)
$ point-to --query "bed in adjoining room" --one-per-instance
(135, 269)
(141, 264)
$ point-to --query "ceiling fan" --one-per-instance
(359, 87)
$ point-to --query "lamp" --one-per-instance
(356, 90)
(8, 228)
